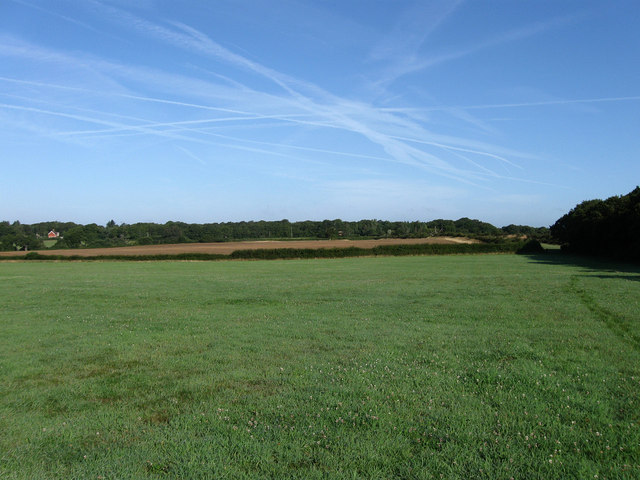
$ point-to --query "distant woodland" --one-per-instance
(609, 228)
(18, 236)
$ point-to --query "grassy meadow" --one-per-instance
(468, 366)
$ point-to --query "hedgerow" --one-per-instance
(299, 253)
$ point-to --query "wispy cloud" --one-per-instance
(186, 37)
(412, 28)
(489, 106)
(410, 61)
(553, 102)
(297, 103)
(500, 39)
(399, 49)
(190, 154)
(56, 14)
(93, 120)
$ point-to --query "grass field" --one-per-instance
(487, 366)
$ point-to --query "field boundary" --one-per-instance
(295, 253)
(226, 248)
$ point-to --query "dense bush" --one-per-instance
(531, 247)
(542, 234)
(178, 256)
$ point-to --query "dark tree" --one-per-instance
(608, 227)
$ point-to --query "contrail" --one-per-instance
(333, 112)
(191, 154)
(459, 149)
(194, 40)
(553, 102)
(83, 118)
(172, 124)
(55, 14)
(287, 117)
(511, 105)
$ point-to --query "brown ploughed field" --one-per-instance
(225, 248)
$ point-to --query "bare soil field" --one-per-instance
(225, 248)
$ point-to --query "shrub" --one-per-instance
(531, 247)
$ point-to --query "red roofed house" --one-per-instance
(53, 234)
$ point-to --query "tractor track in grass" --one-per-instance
(621, 330)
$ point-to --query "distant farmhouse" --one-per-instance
(53, 234)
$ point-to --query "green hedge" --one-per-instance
(179, 256)
(291, 253)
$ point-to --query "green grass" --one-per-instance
(488, 366)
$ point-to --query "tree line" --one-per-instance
(608, 227)
(17, 236)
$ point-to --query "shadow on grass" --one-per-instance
(593, 266)
(633, 278)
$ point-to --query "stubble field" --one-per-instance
(491, 366)
(225, 248)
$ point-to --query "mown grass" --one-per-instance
(491, 366)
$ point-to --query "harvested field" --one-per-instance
(225, 248)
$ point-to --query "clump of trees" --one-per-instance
(608, 227)
(541, 234)
(16, 236)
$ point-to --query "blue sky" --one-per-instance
(227, 110)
